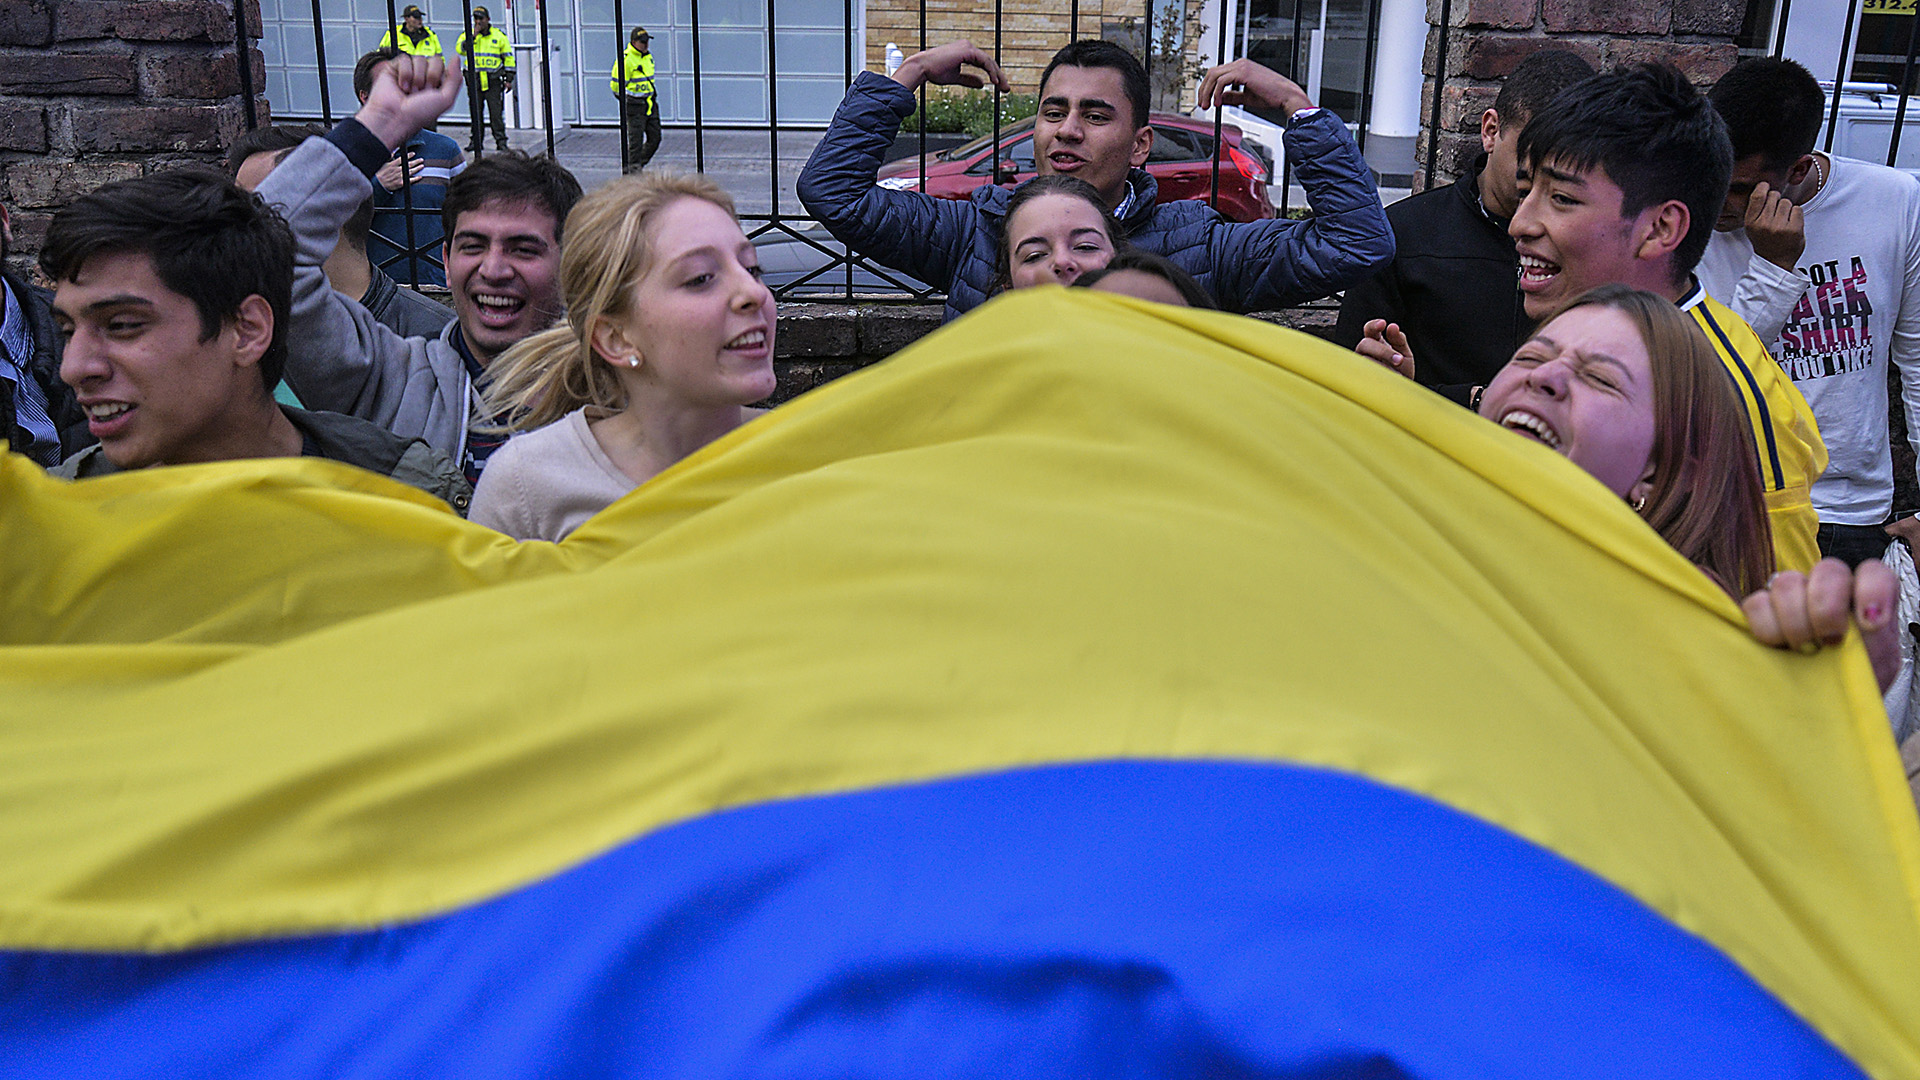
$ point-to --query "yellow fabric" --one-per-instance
(426, 46)
(1782, 409)
(1067, 527)
(491, 52)
(639, 75)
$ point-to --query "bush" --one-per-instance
(970, 111)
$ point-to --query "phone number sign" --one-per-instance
(1888, 7)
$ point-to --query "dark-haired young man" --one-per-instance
(38, 415)
(1093, 124)
(172, 291)
(351, 273)
(433, 160)
(1622, 177)
(1822, 255)
(503, 217)
(1452, 285)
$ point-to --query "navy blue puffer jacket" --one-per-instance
(951, 244)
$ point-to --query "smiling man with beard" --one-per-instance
(503, 220)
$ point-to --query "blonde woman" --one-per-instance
(668, 339)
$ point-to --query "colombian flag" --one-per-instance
(1094, 689)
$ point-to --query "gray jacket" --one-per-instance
(341, 359)
(405, 311)
(337, 438)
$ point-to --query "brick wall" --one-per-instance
(99, 90)
(1486, 39)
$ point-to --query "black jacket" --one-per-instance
(44, 368)
(1453, 287)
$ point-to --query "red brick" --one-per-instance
(144, 20)
(1701, 63)
(67, 73)
(53, 184)
(196, 74)
(1503, 14)
(1490, 56)
(1607, 16)
(29, 229)
(1462, 106)
(23, 128)
(1457, 154)
(1720, 18)
(136, 128)
(26, 22)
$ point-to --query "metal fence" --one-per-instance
(1284, 34)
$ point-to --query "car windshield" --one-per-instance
(967, 150)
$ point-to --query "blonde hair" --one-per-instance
(606, 253)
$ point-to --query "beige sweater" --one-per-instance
(545, 483)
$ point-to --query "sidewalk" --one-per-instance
(737, 160)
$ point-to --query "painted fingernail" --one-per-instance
(1873, 613)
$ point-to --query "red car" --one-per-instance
(1181, 163)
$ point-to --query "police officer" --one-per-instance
(414, 36)
(632, 82)
(491, 71)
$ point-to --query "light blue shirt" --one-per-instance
(29, 401)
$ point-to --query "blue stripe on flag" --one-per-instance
(1114, 919)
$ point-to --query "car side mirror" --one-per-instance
(1006, 172)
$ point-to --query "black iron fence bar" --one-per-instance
(699, 127)
(1906, 80)
(1293, 72)
(472, 79)
(620, 33)
(846, 14)
(1439, 82)
(1365, 112)
(1780, 32)
(773, 114)
(1073, 21)
(1146, 40)
(320, 65)
(923, 101)
(770, 224)
(546, 78)
(1839, 78)
(836, 258)
(1219, 114)
(993, 90)
(243, 58)
(406, 173)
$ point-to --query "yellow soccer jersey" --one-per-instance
(1792, 456)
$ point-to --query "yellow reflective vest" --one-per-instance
(491, 52)
(426, 46)
(639, 77)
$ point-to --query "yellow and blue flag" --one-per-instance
(1094, 689)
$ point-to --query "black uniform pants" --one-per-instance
(493, 100)
(643, 131)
